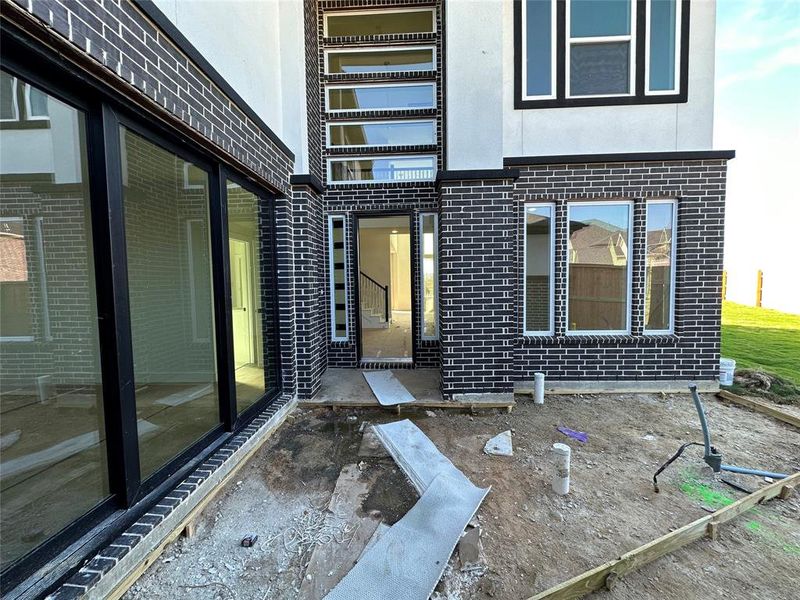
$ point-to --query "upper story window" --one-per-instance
(381, 169)
(379, 22)
(596, 52)
(380, 60)
(390, 96)
(361, 134)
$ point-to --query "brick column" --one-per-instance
(309, 283)
(476, 282)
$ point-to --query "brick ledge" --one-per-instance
(116, 567)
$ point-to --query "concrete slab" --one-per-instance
(347, 388)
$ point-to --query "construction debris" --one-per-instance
(576, 435)
(469, 548)
(387, 388)
(329, 562)
(408, 560)
(249, 541)
(500, 445)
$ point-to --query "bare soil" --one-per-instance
(532, 539)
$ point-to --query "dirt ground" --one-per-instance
(532, 539)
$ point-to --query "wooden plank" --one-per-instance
(760, 406)
(611, 571)
(372, 403)
(332, 561)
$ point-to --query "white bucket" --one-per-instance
(726, 368)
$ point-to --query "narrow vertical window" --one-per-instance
(662, 45)
(539, 21)
(539, 263)
(598, 265)
(660, 267)
(338, 276)
(429, 269)
(167, 238)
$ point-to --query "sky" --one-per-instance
(757, 113)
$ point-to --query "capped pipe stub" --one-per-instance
(538, 375)
(561, 449)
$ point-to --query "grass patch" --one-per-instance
(763, 340)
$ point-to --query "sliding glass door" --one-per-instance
(168, 247)
(53, 465)
(138, 324)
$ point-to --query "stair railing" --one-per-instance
(374, 296)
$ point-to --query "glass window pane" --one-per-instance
(592, 18)
(172, 318)
(598, 267)
(662, 44)
(249, 227)
(53, 465)
(596, 69)
(429, 271)
(381, 61)
(381, 97)
(658, 276)
(378, 23)
(538, 47)
(394, 133)
(9, 110)
(37, 103)
(410, 168)
(538, 263)
(338, 278)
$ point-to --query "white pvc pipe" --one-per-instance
(561, 456)
(538, 388)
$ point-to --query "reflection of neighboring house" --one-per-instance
(13, 262)
(659, 247)
(598, 244)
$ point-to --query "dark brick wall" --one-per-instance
(476, 285)
(313, 97)
(311, 291)
(692, 352)
(405, 198)
(412, 198)
(119, 36)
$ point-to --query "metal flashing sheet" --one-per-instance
(387, 388)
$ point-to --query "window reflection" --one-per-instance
(52, 434)
(170, 294)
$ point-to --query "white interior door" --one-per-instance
(241, 303)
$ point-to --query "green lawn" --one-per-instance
(763, 339)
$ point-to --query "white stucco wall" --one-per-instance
(474, 81)
(256, 46)
(476, 67)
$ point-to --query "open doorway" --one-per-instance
(384, 287)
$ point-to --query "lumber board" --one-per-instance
(330, 562)
(596, 578)
(372, 403)
(760, 406)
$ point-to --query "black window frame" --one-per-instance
(560, 48)
(61, 554)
